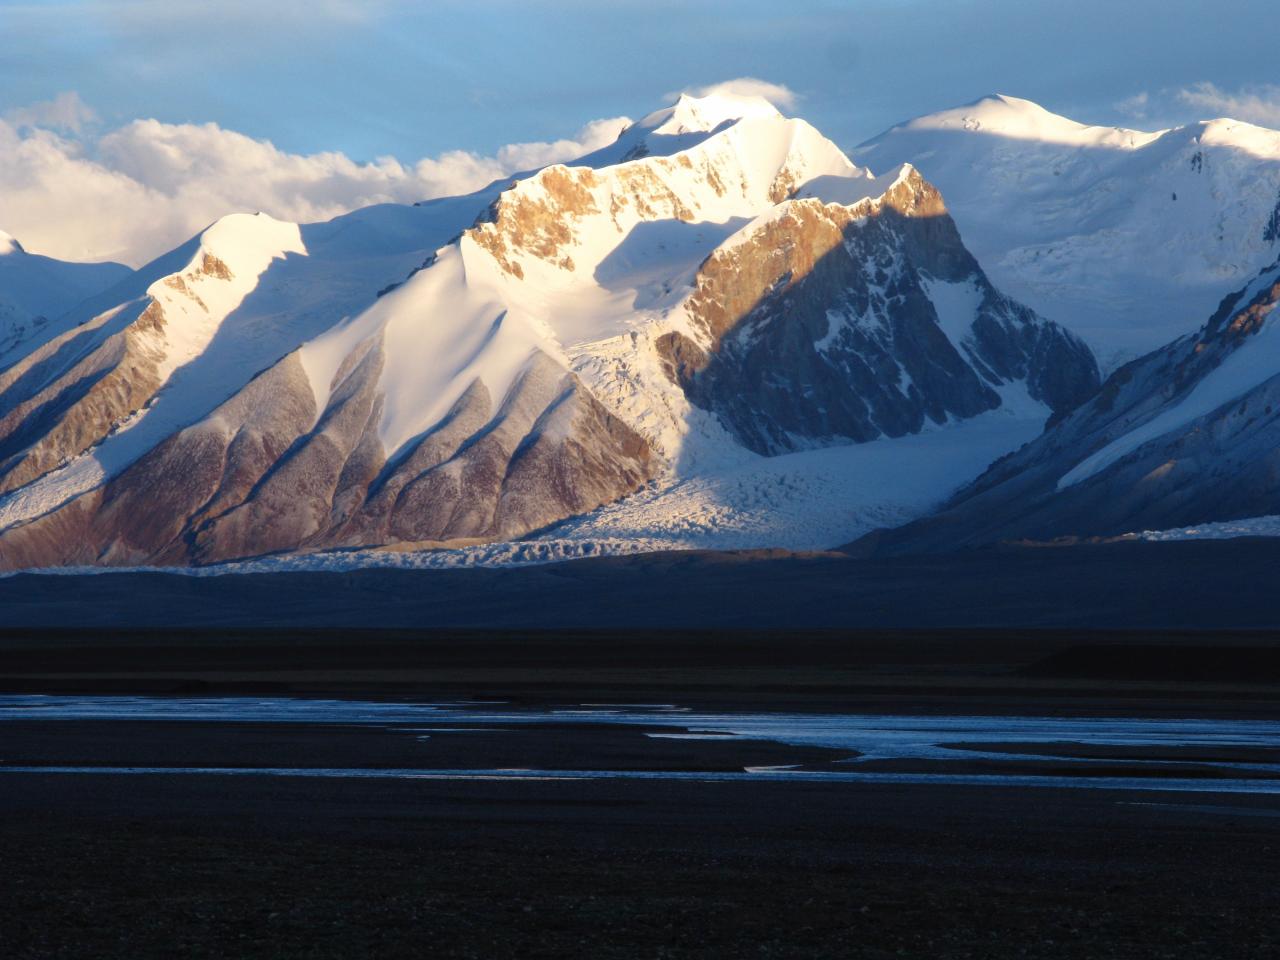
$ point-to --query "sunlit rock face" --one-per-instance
(880, 318)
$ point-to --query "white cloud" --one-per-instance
(65, 112)
(1135, 106)
(1257, 104)
(529, 156)
(776, 93)
(137, 191)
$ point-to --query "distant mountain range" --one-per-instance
(720, 331)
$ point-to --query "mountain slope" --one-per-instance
(1188, 434)
(187, 331)
(721, 283)
(1127, 238)
(36, 291)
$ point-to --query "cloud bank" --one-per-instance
(1257, 104)
(66, 112)
(1136, 106)
(135, 192)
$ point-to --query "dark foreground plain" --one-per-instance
(213, 865)
(219, 867)
(171, 864)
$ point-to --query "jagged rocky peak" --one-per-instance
(336, 442)
(574, 216)
(883, 319)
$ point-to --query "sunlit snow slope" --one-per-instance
(1129, 239)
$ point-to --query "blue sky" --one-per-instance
(413, 79)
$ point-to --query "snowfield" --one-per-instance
(811, 500)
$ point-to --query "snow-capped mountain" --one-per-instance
(1188, 434)
(720, 286)
(35, 291)
(1127, 238)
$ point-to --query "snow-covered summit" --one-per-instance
(690, 114)
(1262, 142)
(229, 259)
(9, 244)
(1128, 238)
(999, 115)
(682, 125)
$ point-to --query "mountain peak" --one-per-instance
(255, 238)
(1004, 100)
(690, 114)
(1003, 115)
(1014, 118)
(9, 244)
(1261, 142)
(683, 124)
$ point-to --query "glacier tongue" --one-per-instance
(810, 500)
